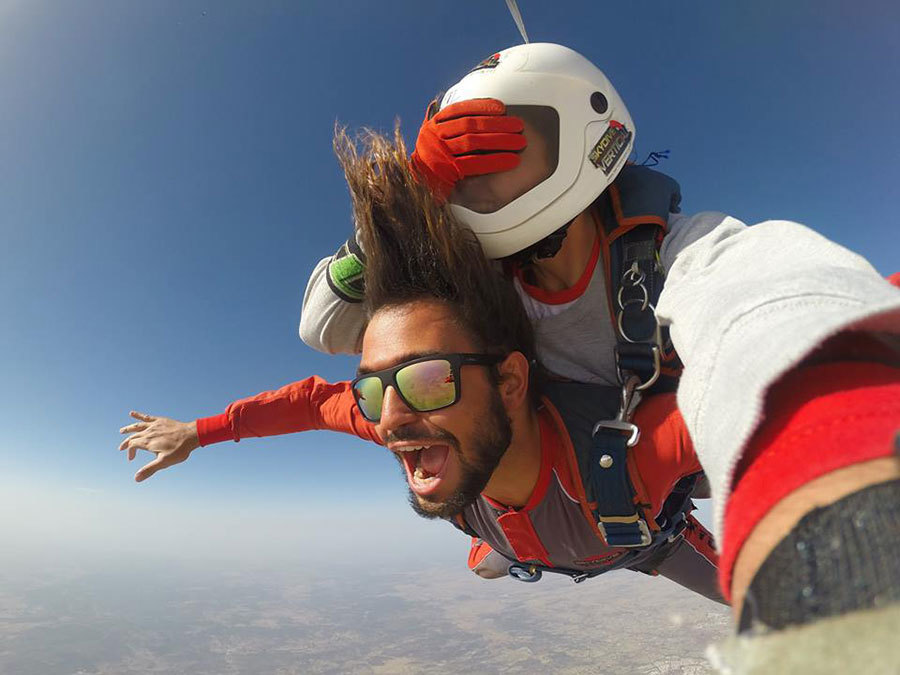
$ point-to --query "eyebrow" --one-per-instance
(403, 358)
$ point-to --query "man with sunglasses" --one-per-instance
(448, 371)
(449, 382)
(783, 334)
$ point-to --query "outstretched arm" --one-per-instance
(788, 391)
(308, 404)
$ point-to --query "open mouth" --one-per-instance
(425, 466)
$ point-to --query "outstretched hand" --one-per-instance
(170, 440)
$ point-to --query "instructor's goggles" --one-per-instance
(424, 384)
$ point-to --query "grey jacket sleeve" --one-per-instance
(332, 319)
(747, 304)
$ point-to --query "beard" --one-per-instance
(494, 437)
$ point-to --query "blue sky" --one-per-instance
(167, 184)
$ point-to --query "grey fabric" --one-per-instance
(576, 340)
(327, 322)
(839, 558)
(684, 565)
(560, 525)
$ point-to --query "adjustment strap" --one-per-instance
(639, 359)
(618, 519)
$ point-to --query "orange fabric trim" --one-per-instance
(567, 294)
(700, 539)
(549, 444)
(520, 534)
(624, 224)
(630, 223)
(478, 552)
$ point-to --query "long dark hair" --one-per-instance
(416, 250)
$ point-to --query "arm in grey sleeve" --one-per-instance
(332, 319)
(744, 306)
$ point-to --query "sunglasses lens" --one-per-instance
(427, 385)
(369, 396)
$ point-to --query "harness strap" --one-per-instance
(618, 519)
(635, 213)
(638, 279)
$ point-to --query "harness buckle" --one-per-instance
(624, 539)
(632, 430)
(656, 356)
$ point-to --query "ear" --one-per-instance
(513, 387)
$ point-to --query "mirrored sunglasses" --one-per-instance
(425, 384)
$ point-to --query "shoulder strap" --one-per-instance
(634, 212)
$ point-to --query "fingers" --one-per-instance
(470, 143)
(150, 468)
(475, 106)
(144, 417)
(124, 444)
(480, 125)
(133, 444)
(495, 162)
(131, 428)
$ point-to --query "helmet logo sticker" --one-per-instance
(608, 150)
(490, 62)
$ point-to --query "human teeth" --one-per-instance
(419, 473)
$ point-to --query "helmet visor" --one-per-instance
(491, 192)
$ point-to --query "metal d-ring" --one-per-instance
(631, 301)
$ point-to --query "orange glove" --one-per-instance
(468, 138)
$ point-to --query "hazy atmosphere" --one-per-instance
(166, 186)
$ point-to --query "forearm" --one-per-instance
(332, 320)
(300, 406)
(829, 434)
(745, 306)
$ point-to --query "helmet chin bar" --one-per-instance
(547, 247)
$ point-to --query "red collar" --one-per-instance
(567, 294)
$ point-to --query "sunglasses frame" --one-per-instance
(388, 377)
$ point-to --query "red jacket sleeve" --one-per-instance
(306, 405)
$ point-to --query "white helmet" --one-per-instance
(596, 135)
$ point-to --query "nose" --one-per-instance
(394, 412)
